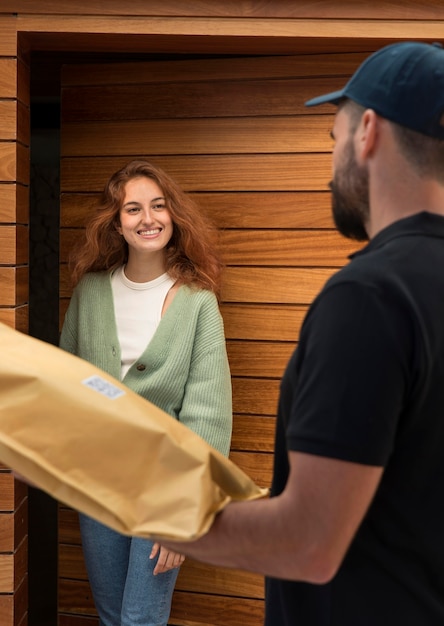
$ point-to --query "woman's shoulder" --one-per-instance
(93, 280)
(197, 295)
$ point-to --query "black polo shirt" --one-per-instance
(366, 384)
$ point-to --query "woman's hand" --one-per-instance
(167, 559)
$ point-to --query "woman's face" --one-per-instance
(145, 221)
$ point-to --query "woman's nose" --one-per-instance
(147, 216)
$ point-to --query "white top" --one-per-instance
(138, 310)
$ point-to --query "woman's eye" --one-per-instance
(158, 207)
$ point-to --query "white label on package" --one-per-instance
(104, 387)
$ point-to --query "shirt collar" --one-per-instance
(423, 223)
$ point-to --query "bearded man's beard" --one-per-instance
(350, 197)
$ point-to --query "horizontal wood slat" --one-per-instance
(13, 528)
(201, 578)
(253, 172)
(255, 396)
(14, 606)
(214, 610)
(275, 209)
(8, 72)
(257, 465)
(14, 162)
(14, 203)
(273, 285)
(212, 70)
(251, 432)
(77, 620)
(8, 116)
(16, 317)
(7, 532)
(239, 247)
(200, 136)
(397, 9)
(286, 248)
(13, 286)
(239, 32)
(254, 98)
(7, 492)
(14, 245)
(13, 568)
(74, 596)
(269, 323)
(8, 40)
(197, 610)
(258, 358)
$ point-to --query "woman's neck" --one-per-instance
(143, 270)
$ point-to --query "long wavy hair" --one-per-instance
(191, 253)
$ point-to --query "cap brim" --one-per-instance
(334, 97)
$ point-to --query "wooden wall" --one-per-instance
(14, 181)
(277, 234)
(236, 135)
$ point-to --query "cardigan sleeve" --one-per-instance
(207, 403)
(68, 336)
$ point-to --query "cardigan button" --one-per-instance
(141, 367)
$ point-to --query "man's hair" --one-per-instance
(425, 154)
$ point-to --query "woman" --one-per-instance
(145, 310)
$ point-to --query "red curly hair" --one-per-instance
(191, 254)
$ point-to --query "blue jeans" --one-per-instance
(120, 573)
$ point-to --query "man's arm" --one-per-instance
(302, 534)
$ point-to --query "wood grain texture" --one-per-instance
(13, 286)
(274, 209)
(266, 322)
(286, 248)
(8, 116)
(237, 172)
(14, 606)
(253, 433)
(258, 358)
(235, 135)
(14, 245)
(236, 29)
(255, 396)
(214, 70)
(8, 74)
(16, 317)
(13, 568)
(186, 100)
(397, 9)
(13, 528)
(228, 135)
(282, 285)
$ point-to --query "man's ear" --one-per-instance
(367, 134)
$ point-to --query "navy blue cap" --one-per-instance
(402, 82)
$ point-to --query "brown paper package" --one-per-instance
(80, 435)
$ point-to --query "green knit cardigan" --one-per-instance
(184, 369)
